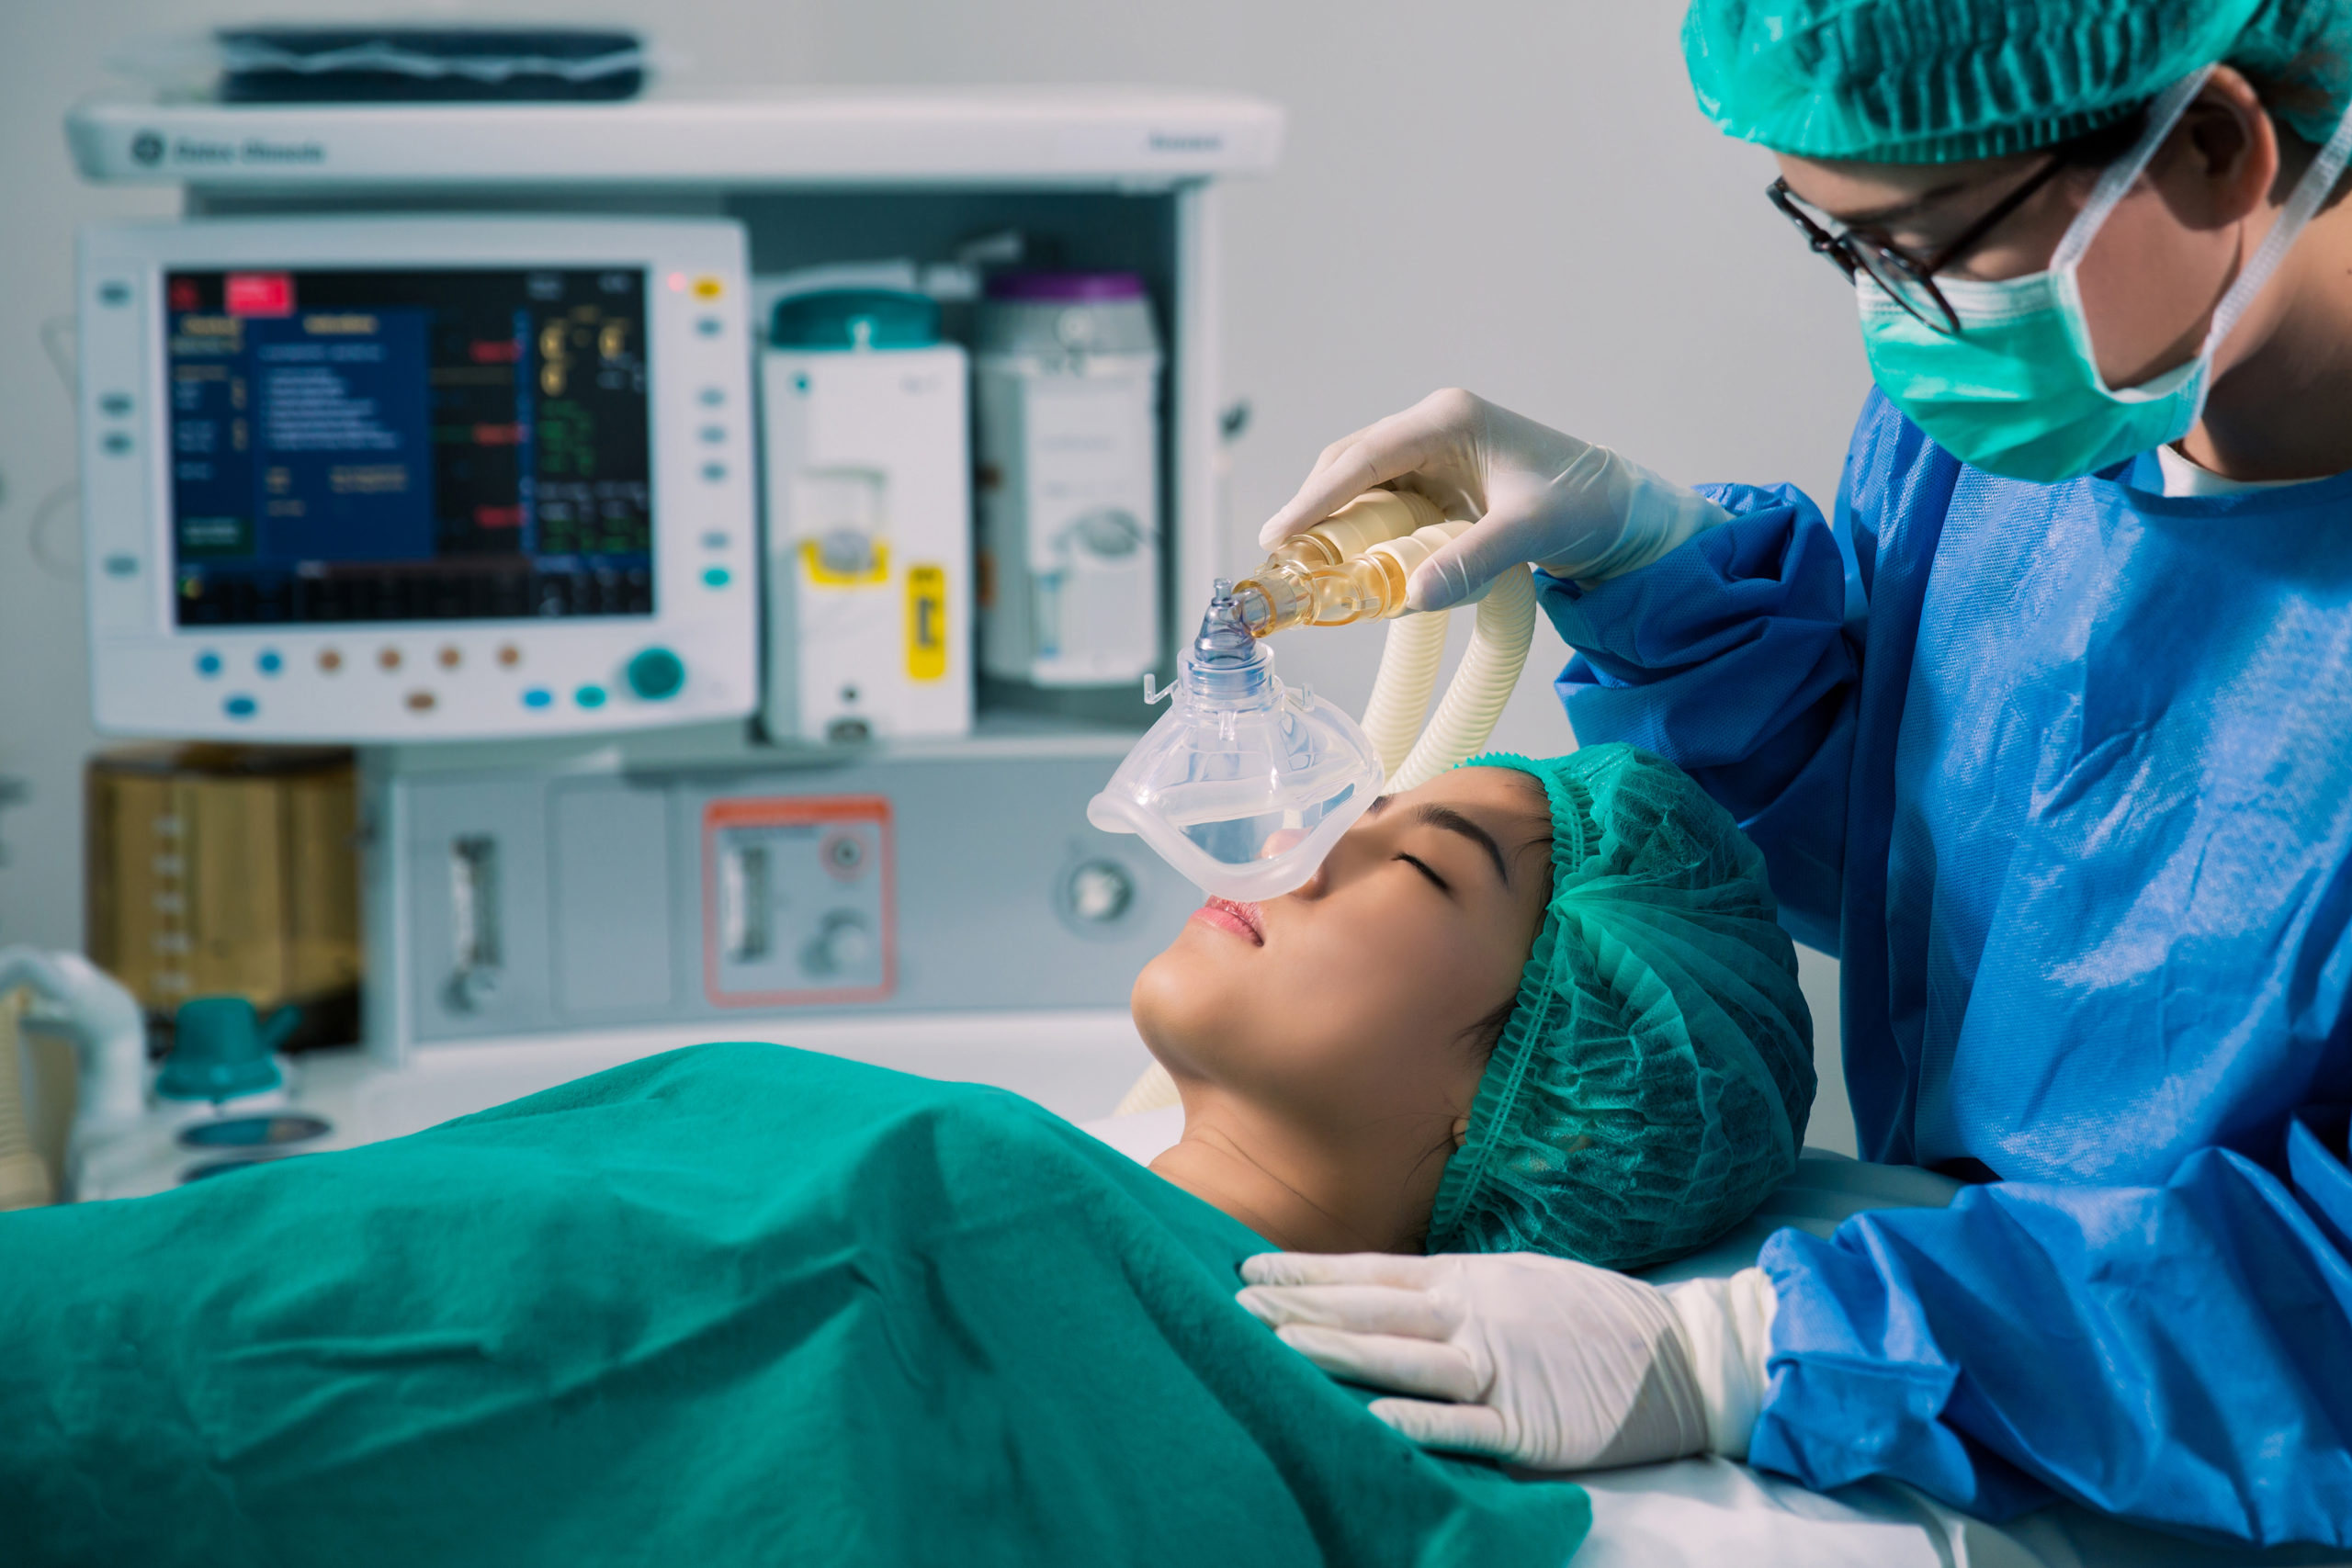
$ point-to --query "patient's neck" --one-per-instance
(1302, 1192)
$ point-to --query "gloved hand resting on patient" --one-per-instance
(1544, 1361)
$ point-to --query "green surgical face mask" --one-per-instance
(2017, 392)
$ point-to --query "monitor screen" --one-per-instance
(401, 445)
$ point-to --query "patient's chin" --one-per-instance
(1178, 1004)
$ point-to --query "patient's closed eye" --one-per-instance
(1446, 819)
(1452, 821)
(1422, 866)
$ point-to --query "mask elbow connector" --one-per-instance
(1372, 518)
(1353, 567)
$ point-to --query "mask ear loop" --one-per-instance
(2303, 205)
(2162, 115)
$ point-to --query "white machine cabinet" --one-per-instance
(654, 879)
(869, 541)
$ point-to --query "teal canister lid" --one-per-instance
(221, 1050)
(854, 318)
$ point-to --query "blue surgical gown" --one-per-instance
(2063, 776)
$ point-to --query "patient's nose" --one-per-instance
(1359, 845)
(1281, 842)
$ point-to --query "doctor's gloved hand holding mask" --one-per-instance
(1571, 508)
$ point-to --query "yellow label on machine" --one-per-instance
(926, 623)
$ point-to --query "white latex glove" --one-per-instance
(1570, 507)
(1547, 1363)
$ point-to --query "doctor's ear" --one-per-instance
(2224, 160)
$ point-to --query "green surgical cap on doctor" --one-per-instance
(1652, 1084)
(1942, 80)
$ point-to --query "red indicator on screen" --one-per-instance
(498, 435)
(185, 295)
(498, 517)
(260, 294)
(497, 351)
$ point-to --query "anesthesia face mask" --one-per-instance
(1243, 786)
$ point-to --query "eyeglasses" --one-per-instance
(1907, 280)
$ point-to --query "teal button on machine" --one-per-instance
(656, 674)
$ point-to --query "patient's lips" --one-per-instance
(1241, 920)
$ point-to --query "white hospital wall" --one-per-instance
(1514, 195)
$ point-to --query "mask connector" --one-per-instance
(1353, 567)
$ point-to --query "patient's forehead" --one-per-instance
(1506, 793)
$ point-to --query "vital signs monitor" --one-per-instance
(374, 479)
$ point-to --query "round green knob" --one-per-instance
(656, 674)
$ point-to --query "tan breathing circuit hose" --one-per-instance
(1499, 639)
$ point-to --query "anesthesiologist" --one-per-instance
(2047, 736)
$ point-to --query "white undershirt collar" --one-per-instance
(2185, 477)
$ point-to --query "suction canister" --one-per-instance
(1067, 390)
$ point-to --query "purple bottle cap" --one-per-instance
(1064, 288)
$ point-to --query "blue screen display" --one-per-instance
(435, 445)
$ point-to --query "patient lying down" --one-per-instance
(1529, 1006)
(743, 1304)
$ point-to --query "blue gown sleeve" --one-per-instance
(1732, 658)
(1741, 656)
(2178, 1355)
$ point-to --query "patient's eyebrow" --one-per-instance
(1452, 821)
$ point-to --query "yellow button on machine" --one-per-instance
(709, 287)
(926, 623)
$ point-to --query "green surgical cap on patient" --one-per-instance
(1941, 81)
(1652, 1084)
